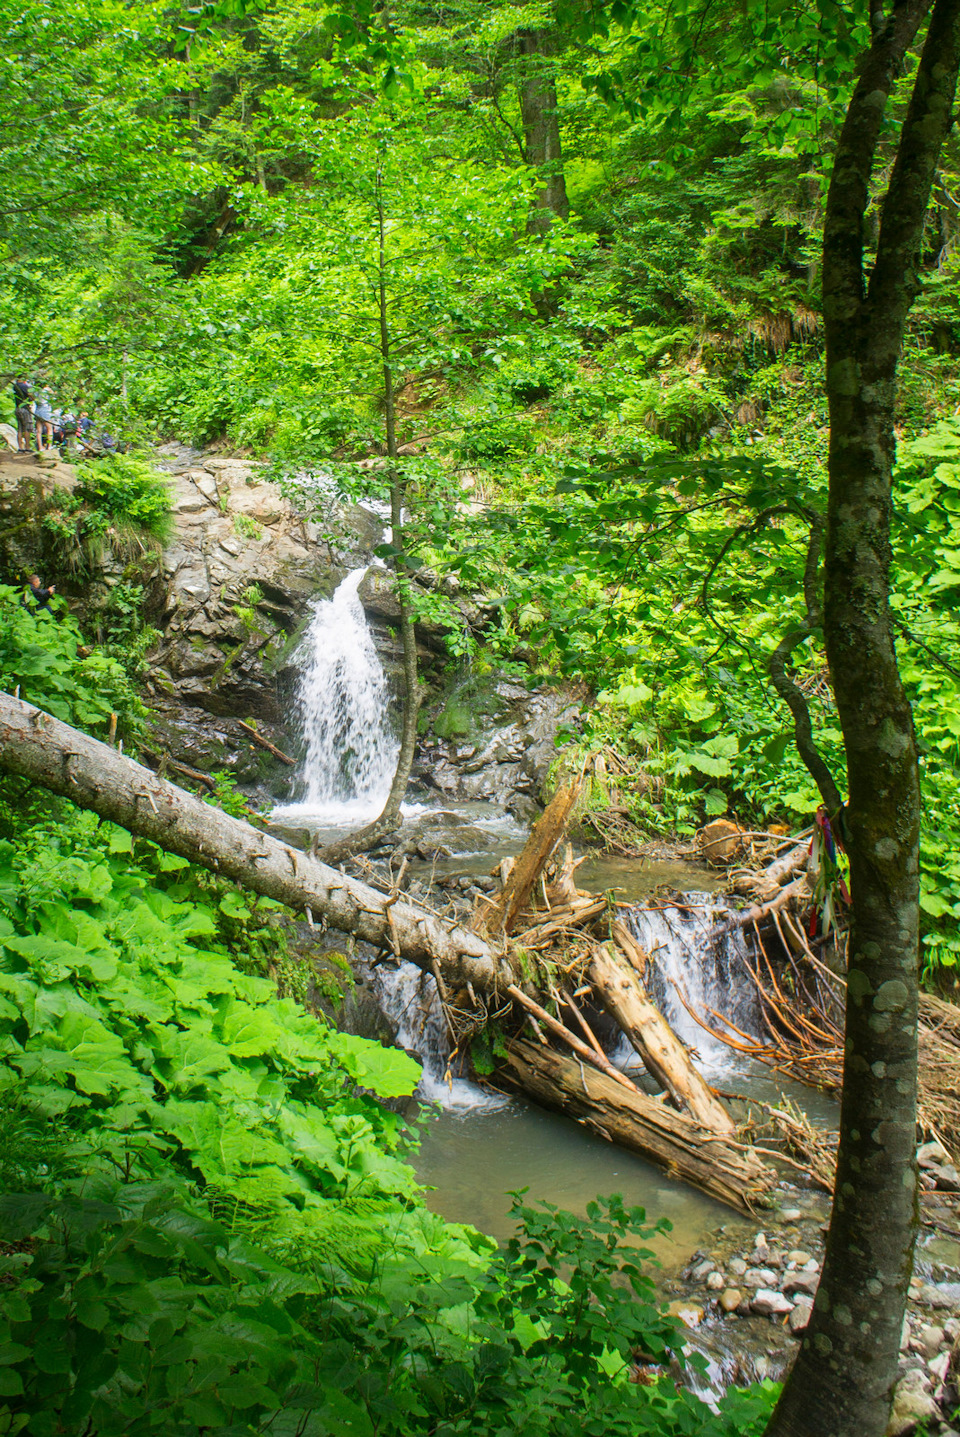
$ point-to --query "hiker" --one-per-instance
(41, 597)
(43, 415)
(23, 407)
(68, 431)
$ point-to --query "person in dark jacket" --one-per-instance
(23, 406)
(41, 597)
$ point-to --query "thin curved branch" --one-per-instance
(787, 687)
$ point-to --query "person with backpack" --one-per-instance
(23, 407)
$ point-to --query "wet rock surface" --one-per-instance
(494, 740)
(748, 1328)
(238, 577)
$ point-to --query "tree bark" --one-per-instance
(850, 1352)
(541, 127)
(664, 1056)
(94, 776)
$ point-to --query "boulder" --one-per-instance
(759, 1277)
(689, 1313)
(912, 1404)
(803, 1282)
(943, 1296)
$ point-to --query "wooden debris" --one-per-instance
(616, 987)
(525, 873)
(581, 1049)
(639, 1123)
(265, 743)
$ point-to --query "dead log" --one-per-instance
(616, 987)
(638, 957)
(544, 837)
(639, 1123)
(583, 1050)
(756, 912)
(94, 776)
(249, 729)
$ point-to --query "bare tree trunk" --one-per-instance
(541, 127)
(850, 1352)
(388, 820)
(95, 776)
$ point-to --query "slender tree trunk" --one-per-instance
(541, 127)
(388, 820)
(849, 1355)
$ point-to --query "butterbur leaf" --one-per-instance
(11, 1384)
(775, 748)
(94, 1315)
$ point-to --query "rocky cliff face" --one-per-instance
(231, 596)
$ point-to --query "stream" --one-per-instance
(479, 1145)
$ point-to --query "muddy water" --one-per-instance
(474, 1159)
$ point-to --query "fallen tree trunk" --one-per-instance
(544, 837)
(98, 777)
(95, 776)
(664, 1056)
(670, 1139)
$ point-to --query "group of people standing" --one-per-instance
(42, 425)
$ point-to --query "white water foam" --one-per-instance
(706, 971)
(408, 996)
(351, 748)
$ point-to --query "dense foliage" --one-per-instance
(543, 372)
(206, 1221)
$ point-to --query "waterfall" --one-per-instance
(408, 996)
(351, 752)
(708, 973)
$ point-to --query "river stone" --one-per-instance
(736, 1267)
(945, 1176)
(939, 1367)
(932, 1154)
(716, 1281)
(951, 1329)
(731, 1299)
(929, 1340)
(799, 1257)
(790, 1214)
(941, 1295)
(799, 1318)
(689, 1313)
(769, 1303)
(912, 1404)
(703, 1270)
(804, 1282)
(759, 1277)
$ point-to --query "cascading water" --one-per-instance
(691, 963)
(408, 996)
(351, 755)
(351, 750)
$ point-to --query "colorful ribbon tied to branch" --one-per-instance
(829, 882)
